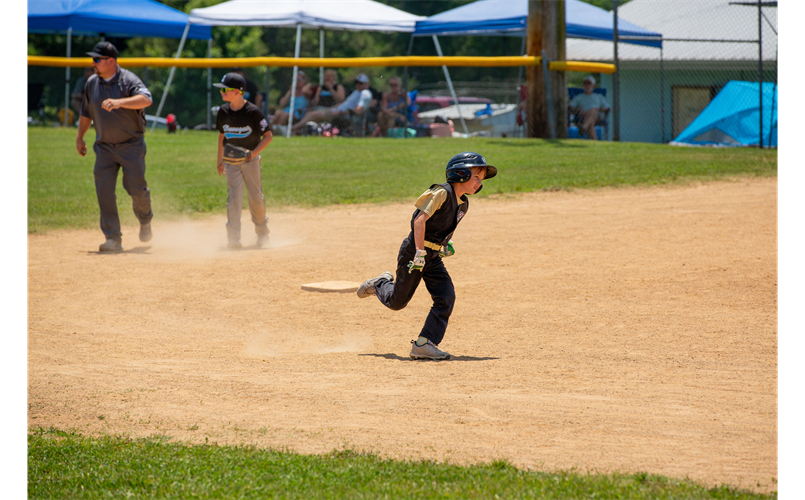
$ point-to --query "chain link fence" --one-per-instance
(706, 45)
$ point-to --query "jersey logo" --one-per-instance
(263, 124)
(237, 132)
(460, 216)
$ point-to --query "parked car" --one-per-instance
(429, 103)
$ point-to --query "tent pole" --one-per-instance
(450, 85)
(293, 79)
(170, 77)
(67, 79)
(321, 55)
(209, 86)
(405, 83)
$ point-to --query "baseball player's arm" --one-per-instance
(220, 161)
(84, 123)
(419, 230)
(138, 101)
(267, 136)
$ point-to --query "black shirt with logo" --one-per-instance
(244, 127)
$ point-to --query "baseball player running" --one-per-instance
(438, 212)
(243, 133)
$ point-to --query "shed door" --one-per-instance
(688, 102)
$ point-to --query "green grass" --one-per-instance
(324, 171)
(67, 465)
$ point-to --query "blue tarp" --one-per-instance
(732, 117)
(509, 17)
(147, 18)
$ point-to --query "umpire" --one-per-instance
(114, 99)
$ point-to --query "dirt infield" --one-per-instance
(611, 330)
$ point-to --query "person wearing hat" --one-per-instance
(357, 102)
(114, 100)
(240, 123)
(420, 258)
(589, 106)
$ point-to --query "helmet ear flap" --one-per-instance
(459, 174)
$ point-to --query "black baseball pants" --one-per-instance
(396, 294)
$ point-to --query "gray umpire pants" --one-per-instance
(109, 159)
(236, 176)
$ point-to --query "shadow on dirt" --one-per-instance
(395, 357)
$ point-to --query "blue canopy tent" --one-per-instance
(510, 18)
(146, 18)
(733, 117)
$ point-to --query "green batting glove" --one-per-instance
(447, 250)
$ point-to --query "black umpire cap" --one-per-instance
(104, 49)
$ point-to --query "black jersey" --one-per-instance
(441, 224)
(244, 127)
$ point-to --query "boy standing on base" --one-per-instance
(438, 212)
(243, 133)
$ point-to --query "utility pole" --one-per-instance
(546, 31)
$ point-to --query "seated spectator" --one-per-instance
(393, 109)
(357, 102)
(589, 106)
(330, 93)
(301, 93)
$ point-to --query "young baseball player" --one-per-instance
(243, 134)
(438, 212)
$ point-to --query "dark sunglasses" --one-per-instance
(99, 59)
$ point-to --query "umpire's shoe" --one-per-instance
(367, 288)
(145, 232)
(427, 351)
(111, 246)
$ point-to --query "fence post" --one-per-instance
(209, 86)
(67, 79)
(760, 68)
(548, 95)
(616, 105)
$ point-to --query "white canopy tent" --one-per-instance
(357, 15)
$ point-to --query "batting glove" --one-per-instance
(418, 263)
(447, 250)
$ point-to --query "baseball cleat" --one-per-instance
(427, 351)
(111, 246)
(367, 288)
(145, 232)
(234, 245)
(262, 240)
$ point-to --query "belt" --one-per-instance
(433, 246)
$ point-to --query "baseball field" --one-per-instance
(614, 334)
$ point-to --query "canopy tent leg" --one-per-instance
(67, 79)
(209, 86)
(662, 98)
(321, 55)
(293, 79)
(616, 78)
(405, 83)
(450, 84)
(170, 77)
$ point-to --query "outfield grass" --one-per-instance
(68, 465)
(315, 171)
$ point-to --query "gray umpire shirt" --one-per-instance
(119, 125)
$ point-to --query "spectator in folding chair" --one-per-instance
(330, 93)
(356, 104)
(301, 94)
(590, 108)
(393, 108)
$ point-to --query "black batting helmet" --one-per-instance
(458, 168)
